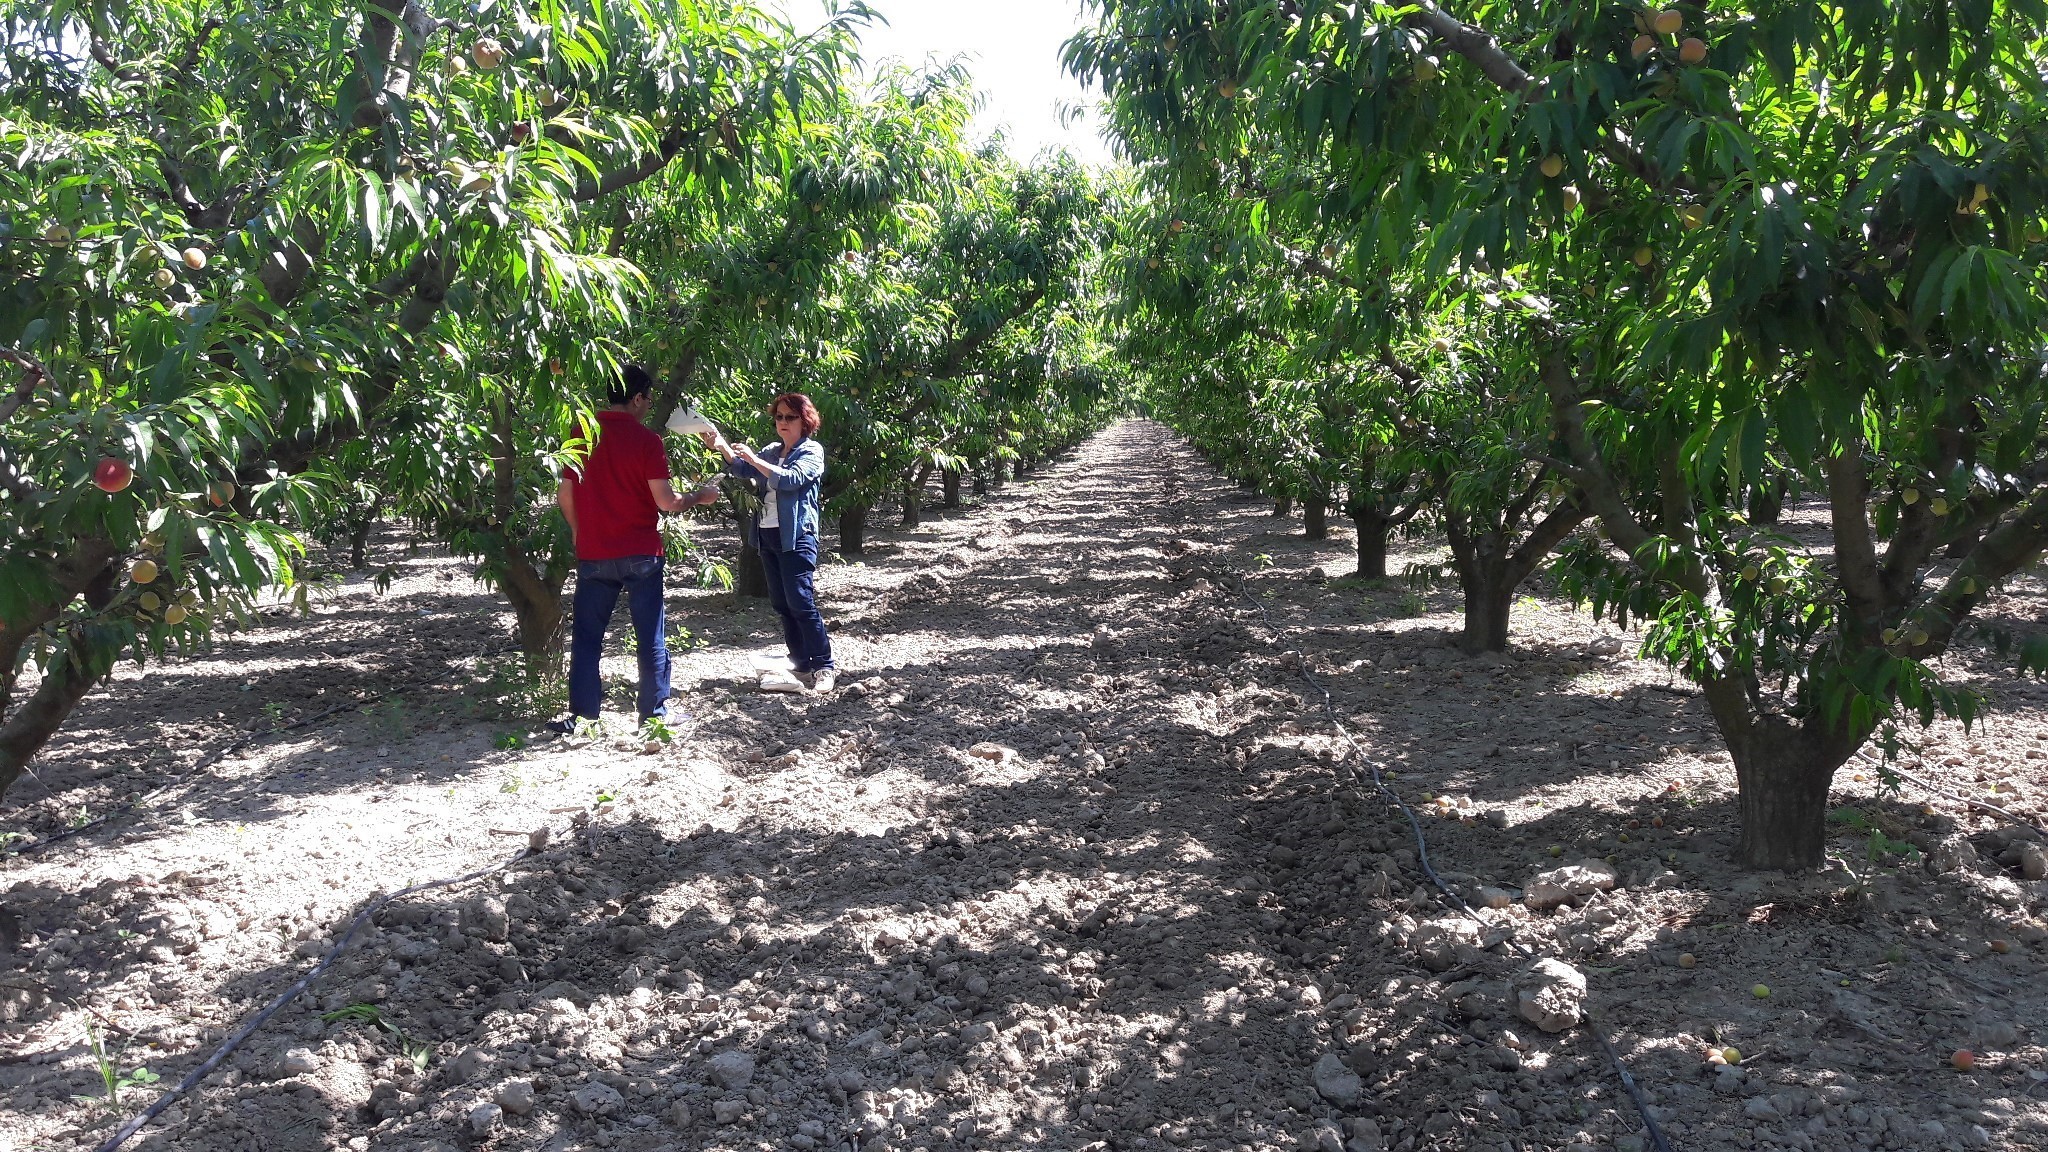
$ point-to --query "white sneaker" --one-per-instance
(823, 681)
(777, 680)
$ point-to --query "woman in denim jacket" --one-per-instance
(786, 476)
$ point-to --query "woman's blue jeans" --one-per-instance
(598, 584)
(789, 590)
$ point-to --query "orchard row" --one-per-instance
(1595, 287)
(276, 272)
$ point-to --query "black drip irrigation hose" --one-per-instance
(1628, 1082)
(193, 1078)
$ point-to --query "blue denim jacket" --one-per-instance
(795, 486)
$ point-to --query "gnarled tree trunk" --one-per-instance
(1283, 504)
(1315, 518)
(952, 483)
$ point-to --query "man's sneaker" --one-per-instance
(776, 680)
(823, 680)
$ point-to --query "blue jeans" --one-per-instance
(789, 590)
(598, 584)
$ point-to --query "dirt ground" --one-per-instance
(1071, 861)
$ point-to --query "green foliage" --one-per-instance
(1812, 240)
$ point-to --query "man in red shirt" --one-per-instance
(613, 504)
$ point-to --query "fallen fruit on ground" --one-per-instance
(1963, 1059)
(1687, 960)
(1760, 991)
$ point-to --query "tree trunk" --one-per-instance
(536, 610)
(359, 544)
(29, 726)
(1483, 563)
(1782, 772)
(1767, 500)
(853, 527)
(952, 490)
(1283, 504)
(981, 482)
(749, 577)
(913, 498)
(1019, 473)
(1487, 603)
(1373, 529)
(1315, 517)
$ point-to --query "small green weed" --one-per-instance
(656, 728)
(109, 1066)
(1882, 846)
(513, 689)
(389, 719)
(275, 712)
(373, 1016)
(1853, 817)
(509, 742)
(511, 786)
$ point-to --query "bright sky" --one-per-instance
(1011, 46)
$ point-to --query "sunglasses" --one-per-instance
(781, 416)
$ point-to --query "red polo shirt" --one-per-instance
(616, 516)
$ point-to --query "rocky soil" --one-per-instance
(1073, 860)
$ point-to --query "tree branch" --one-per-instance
(33, 376)
(1547, 535)
(1855, 545)
(1474, 44)
(2015, 543)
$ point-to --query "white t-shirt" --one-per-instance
(771, 510)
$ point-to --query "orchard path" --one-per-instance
(1069, 862)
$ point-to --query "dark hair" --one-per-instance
(633, 381)
(797, 402)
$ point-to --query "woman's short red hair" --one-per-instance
(797, 402)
